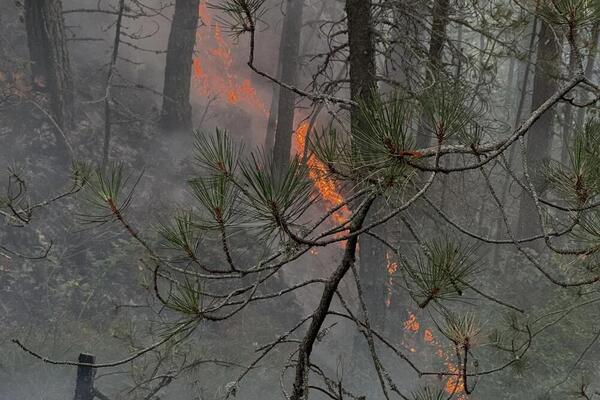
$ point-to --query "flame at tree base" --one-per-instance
(318, 173)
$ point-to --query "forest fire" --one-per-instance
(392, 267)
(453, 384)
(213, 66)
(318, 174)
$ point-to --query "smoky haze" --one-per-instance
(271, 199)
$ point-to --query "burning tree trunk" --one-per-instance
(362, 87)
(540, 138)
(50, 67)
(290, 47)
(176, 109)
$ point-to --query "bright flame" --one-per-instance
(392, 267)
(453, 384)
(428, 336)
(411, 324)
(317, 172)
(213, 64)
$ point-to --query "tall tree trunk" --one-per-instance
(539, 139)
(522, 85)
(567, 127)
(176, 109)
(440, 15)
(50, 66)
(108, 88)
(272, 121)
(372, 270)
(589, 69)
(289, 59)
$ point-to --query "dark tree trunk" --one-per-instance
(176, 109)
(289, 59)
(362, 53)
(523, 83)
(50, 67)
(441, 12)
(363, 84)
(84, 386)
(539, 138)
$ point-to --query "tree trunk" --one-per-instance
(289, 59)
(589, 69)
(539, 139)
(272, 121)
(441, 12)
(50, 67)
(84, 387)
(176, 112)
(108, 88)
(372, 270)
(567, 127)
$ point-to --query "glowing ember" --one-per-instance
(411, 324)
(453, 384)
(318, 174)
(392, 267)
(428, 336)
(213, 66)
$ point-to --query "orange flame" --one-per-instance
(325, 185)
(411, 324)
(213, 64)
(392, 267)
(453, 384)
(428, 336)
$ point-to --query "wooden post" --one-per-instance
(84, 388)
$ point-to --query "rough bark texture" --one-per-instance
(441, 12)
(362, 52)
(372, 269)
(290, 47)
(176, 112)
(539, 139)
(49, 56)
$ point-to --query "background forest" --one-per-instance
(324, 199)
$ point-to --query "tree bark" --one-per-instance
(320, 314)
(50, 66)
(522, 84)
(108, 87)
(176, 112)
(589, 69)
(539, 139)
(289, 59)
(567, 127)
(363, 84)
(84, 387)
(440, 14)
